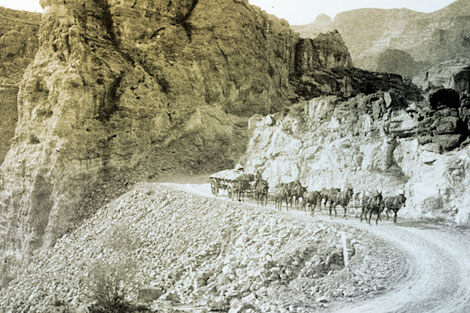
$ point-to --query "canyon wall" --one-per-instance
(18, 45)
(388, 141)
(429, 38)
(125, 91)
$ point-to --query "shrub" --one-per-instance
(110, 285)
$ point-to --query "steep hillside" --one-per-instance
(8, 99)
(125, 91)
(384, 141)
(173, 249)
(18, 45)
(429, 38)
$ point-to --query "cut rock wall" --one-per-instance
(125, 91)
(383, 141)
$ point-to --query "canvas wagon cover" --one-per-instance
(232, 174)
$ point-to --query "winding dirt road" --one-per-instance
(438, 270)
(436, 278)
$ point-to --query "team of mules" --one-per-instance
(294, 194)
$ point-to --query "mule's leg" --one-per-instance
(395, 216)
(370, 215)
(386, 213)
(345, 210)
(378, 217)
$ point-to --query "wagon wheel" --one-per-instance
(214, 188)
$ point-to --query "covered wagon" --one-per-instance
(235, 182)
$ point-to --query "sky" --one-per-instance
(296, 12)
(299, 12)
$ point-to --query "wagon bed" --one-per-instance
(231, 180)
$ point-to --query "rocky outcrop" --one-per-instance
(428, 37)
(444, 125)
(124, 91)
(9, 117)
(18, 43)
(384, 141)
(398, 62)
(322, 24)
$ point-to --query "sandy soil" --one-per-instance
(436, 277)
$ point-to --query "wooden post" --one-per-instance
(345, 249)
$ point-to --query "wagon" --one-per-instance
(233, 181)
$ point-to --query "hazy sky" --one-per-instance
(296, 11)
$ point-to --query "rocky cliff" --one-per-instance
(9, 117)
(124, 91)
(386, 141)
(18, 45)
(426, 37)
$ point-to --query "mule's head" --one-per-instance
(378, 195)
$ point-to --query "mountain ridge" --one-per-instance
(429, 38)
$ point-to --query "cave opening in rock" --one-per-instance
(445, 98)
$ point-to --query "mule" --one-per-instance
(261, 192)
(312, 199)
(394, 204)
(341, 198)
(372, 204)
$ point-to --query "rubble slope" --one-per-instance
(175, 250)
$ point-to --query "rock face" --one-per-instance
(123, 91)
(429, 38)
(9, 117)
(398, 62)
(382, 141)
(18, 43)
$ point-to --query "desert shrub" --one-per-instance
(112, 278)
(110, 285)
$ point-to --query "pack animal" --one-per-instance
(372, 204)
(297, 191)
(239, 189)
(261, 192)
(328, 195)
(341, 198)
(312, 200)
(282, 194)
(394, 204)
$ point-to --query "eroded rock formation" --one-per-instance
(123, 91)
(387, 141)
(18, 45)
(429, 38)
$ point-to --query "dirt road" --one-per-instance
(438, 271)
(436, 278)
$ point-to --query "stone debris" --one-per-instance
(175, 250)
